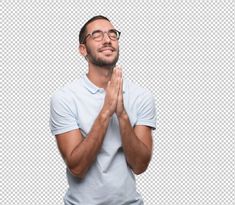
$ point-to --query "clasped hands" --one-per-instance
(113, 102)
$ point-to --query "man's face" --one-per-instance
(104, 53)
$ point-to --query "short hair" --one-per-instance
(82, 32)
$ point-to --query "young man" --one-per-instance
(103, 124)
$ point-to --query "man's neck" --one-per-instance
(99, 75)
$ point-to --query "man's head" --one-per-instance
(99, 42)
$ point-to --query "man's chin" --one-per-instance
(107, 63)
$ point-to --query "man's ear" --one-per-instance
(82, 50)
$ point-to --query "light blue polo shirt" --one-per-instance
(109, 181)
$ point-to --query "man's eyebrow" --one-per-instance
(112, 29)
(96, 30)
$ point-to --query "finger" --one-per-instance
(119, 70)
(116, 74)
(116, 80)
(113, 76)
(108, 87)
(121, 87)
(120, 75)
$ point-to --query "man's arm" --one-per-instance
(137, 144)
(78, 152)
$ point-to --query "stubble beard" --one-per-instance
(102, 62)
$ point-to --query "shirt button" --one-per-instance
(101, 90)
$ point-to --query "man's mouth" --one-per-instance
(106, 49)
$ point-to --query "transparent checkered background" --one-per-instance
(183, 51)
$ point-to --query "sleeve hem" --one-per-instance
(60, 131)
(150, 124)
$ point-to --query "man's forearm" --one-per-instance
(136, 152)
(86, 152)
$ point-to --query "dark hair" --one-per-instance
(82, 32)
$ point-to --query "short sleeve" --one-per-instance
(62, 116)
(146, 113)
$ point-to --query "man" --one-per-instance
(103, 124)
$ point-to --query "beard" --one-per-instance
(101, 62)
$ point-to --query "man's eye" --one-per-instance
(96, 34)
(113, 33)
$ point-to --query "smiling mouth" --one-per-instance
(107, 49)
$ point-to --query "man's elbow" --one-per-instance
(141, 165)
(77, 172)
(140, 169)
(75, 169)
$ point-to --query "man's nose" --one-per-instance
(106, 37)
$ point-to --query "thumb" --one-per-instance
(109, 84)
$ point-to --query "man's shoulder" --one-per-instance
(134, 88)
(67, 90)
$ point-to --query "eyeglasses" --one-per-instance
(98, 35)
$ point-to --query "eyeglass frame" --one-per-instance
(103, 32)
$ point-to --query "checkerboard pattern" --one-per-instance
(182, 51)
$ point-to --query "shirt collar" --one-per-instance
(91, 87)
